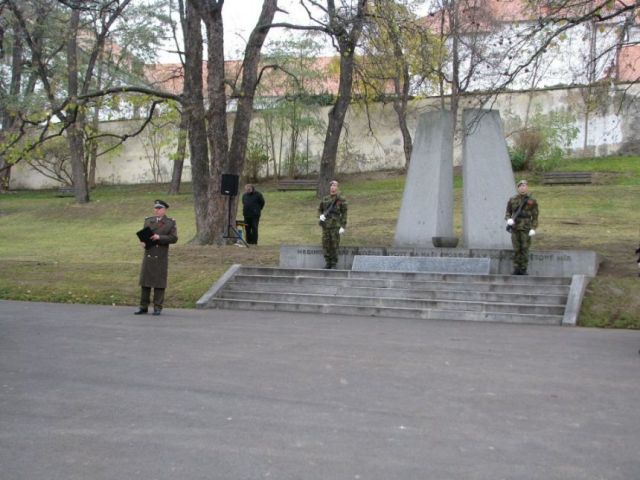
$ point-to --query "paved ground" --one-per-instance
(92, 392)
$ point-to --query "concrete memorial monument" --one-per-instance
(487, 181)
(384, 280)
(427, 202)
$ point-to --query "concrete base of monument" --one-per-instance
(544, 263)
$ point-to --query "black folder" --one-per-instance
(145, 236)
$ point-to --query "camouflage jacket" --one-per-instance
(528, 217)
(335, 209)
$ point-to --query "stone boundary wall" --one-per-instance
(375, 143)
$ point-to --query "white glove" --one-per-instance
(510, 222)
(341, 231)
(322, 217)
(532, 232)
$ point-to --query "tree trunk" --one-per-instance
(335, 124)
(293, 141)
(216, 218)
(195, 113)
(76, 121)
(95, 126)
(400, 106)
(178, 163)
(401, 86)
(213, 228)
(93, 147)
(455, 79)
(8, 118)
(248, 87)
(347, 42)
(591, 78)
(75, 139)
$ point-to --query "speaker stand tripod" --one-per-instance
(231, 229)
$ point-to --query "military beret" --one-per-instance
(160, 204)
(522, 182)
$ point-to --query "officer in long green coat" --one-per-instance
(522, 221)
(333, 220)
(155, 262)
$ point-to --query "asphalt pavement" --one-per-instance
(93, 392)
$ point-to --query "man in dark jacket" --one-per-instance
(155, 263)
(252, 205)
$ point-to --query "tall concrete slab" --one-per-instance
(487, 181)
(427, 202)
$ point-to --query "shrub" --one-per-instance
(517, 159)
(542, 145)
(256, 159)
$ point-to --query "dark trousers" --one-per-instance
(145, 298)
(251, 228)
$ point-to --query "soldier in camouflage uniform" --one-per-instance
(155, 263)
(522, 220)
(333, 220)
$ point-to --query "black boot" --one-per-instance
(141, 311)
(157, 311)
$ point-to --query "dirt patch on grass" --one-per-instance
(225, 255)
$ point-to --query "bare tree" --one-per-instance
(210, 204)
(21, 82)
(81, 49)
(396, 55)
(343, 23)
(183, 127)
(297, 74)
(345, 27)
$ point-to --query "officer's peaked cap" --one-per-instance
(160, 203)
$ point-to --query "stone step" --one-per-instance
(427, 314)
(458, 284)
(390, 302)
(414, 276)
(492, 298)
(263, 284)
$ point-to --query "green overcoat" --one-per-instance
(155, 263)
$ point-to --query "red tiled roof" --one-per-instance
(629, 64)
(476, 15)
(483, 12)
(167, 77)
(170, 77)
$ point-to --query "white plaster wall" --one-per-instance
(373, 142)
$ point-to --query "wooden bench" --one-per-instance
(297, 184)
(566, 178)
(65, 192)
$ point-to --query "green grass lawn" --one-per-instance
(54, 250)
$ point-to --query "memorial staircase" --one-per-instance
(438, 296)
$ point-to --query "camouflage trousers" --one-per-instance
(330, 244)
(521, 242)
